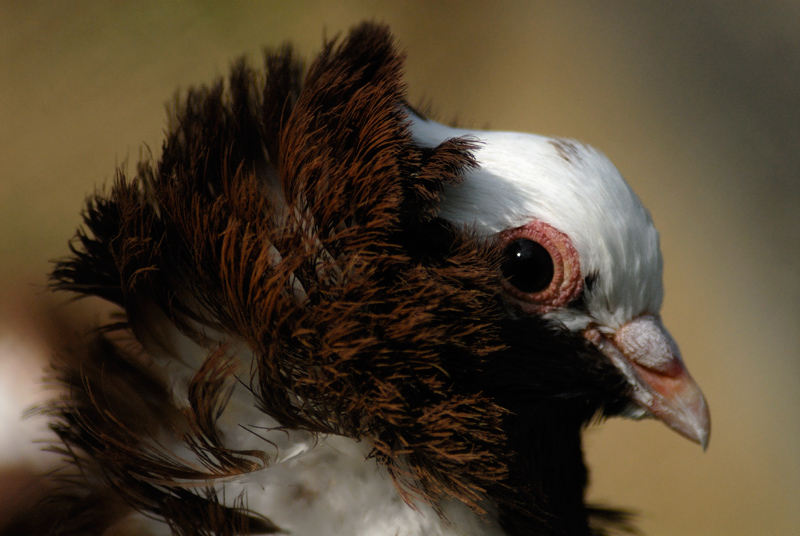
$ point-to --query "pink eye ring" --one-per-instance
(541, 268)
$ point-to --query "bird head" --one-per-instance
(581, 251)
(311, 257)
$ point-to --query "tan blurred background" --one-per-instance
(696, 102)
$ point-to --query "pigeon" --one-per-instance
(337, 316)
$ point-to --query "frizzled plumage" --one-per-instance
(286, 255)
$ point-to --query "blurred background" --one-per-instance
(697, 103)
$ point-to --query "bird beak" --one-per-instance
(649, 358)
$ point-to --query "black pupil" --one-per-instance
(528, 265)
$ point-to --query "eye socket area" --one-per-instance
(541, 268)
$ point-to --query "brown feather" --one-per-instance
(316, 273)
(294, 216)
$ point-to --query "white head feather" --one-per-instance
(577, 190)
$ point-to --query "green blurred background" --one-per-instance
(696, 102)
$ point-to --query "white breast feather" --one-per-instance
(314, 485)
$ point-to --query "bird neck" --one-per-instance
(551, 472)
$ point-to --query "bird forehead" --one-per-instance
(568, 184)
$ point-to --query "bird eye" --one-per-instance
(527, 265)
(541, 268)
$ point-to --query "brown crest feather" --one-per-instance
(294, 216)
(287, 215)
